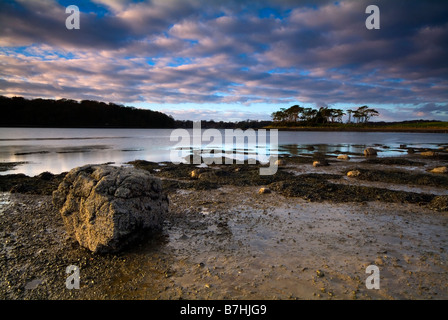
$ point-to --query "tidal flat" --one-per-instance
(312, 236)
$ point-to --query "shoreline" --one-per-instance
(280, 128)
(311, 237)
(406, 130)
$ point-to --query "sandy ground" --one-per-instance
(233, 243)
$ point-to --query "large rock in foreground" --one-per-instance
(105, 208)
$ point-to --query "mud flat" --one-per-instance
(311, 237)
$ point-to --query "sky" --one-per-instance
(230, 60)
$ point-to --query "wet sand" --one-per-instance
(230, 242)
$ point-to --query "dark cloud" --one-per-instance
(229, 52)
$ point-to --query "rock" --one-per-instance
(209, 175)
(280, 162)
(370, 152)
(439, 203)
(45, 176)
(353, 173)
(439, 170)
(105, 208)
(195, 173)
(343, 157)
(264, 190)
(428, 154)
(411, 150)
(33, 284)
(320, 163)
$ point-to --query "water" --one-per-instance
(57, 150)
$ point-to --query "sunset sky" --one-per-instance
(230, 60)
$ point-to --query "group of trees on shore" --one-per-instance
(322, 115)
(21, 112)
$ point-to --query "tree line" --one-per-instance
(66, 113)
(322, 115)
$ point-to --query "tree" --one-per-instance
(294, 112)
(338, 114)
(323, 115)
(371, 113)
(278, 116)
(349, 115)
(308, 114)
(364, 113)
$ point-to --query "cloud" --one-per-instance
(229, 52)
(216, 115)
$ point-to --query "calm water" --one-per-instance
(59, 150)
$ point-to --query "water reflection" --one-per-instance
(59, 150)
(305, 149)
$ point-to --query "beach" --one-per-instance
(311, 236)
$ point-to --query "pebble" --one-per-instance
(353, 173)
(320, 273)
(343, 157)
(319, 163)
(264, 190)
(280, 162)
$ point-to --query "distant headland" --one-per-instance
(67, 113)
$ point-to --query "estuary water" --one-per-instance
(56, 150)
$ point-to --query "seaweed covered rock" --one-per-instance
(439, 203)
(370, 152)
(105, 208)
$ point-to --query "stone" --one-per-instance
(264, 190)
(353, 173)
(280, 162)
(343, 157)
(105, 208)
(439, 203)
(440, 170)
(209, 175)
(370, 152)
(320, 163)
(195, 173)
(428, 154)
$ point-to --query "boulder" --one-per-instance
(370, 152)
(343, 157)
(353, 173)
(106, 208)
